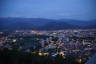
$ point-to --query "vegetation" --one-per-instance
(18, 57)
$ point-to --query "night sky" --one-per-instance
(52, 9)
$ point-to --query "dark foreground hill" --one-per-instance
(18, 57)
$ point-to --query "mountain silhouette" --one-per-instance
(43, 24)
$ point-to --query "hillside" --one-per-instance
(43, 24)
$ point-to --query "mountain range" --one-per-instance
(44, 24)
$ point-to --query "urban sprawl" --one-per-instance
(80, 43)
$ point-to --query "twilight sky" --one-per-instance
(53, 9)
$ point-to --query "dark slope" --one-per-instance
(58, 26)
(42, 24)
(79, 22)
